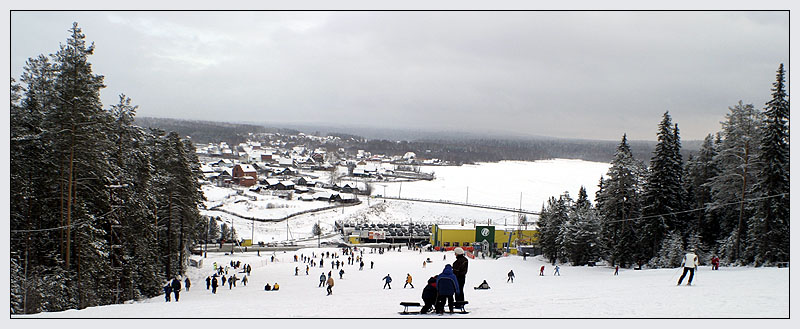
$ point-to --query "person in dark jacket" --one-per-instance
(176, 288)
(446, 286)
(388, 280)
(460, 270)
(187, 283)
(483, 285)
(167, 291)
(214, 284)
(223, 280)
(510, 276)
(429, 295)
(208, 282)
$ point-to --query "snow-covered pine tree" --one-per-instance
(736, 161)
(769, 226)
(700, 170)
(663, 192)
(618, 202)
(583, 231)
(552, 227)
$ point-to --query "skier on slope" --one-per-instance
(408, 281)
(541, 271)
(388, 280)
(510, 276)
(556, 272)
(689, 264)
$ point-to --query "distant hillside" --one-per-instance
(466, 148)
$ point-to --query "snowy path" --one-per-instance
(580, 292)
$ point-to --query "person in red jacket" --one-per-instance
(541, 271)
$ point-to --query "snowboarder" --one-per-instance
(208, 282)
(689, 264)
(408, 281)
(188, 283)
(176, 287)
(341, 272)
(321, 279)
(429, 295)
(556, 272)
(388, 280)
(460, 271)
(167, 291)
(510, 276)
(483, 285)
(214, 285)
(541, 271)
(446, 286)
(330, 286)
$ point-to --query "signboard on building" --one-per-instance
(485, 236)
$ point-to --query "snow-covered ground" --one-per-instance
(496, 184)
(580, 292)
(501, 183)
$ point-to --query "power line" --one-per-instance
(698, 209)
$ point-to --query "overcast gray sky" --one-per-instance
(590, 75)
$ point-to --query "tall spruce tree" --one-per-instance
(582, 231)
(618, 203)
(770, 223)
(730, 189)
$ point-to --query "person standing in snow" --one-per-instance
(306, 269)
(424, 263)
(167, 291)
(429, 295)
(616, 270)
(446, 286)
(371, 265)
(208, 282)
(460, 270)
(361, 266)
(244, 281)
(541, 271)
(510, 276)
(556, 272)
(188, 283)
(223, 280)
(388, 280)
(176, 287)
(321, 279)
(214, 284)
(341, 272)
(689, 264)
(408, 281)
(330, 286)
(296, 270)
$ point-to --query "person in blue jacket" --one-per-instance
(388, 280)
(446, 286)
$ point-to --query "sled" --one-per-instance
(456, 306)
(406, 305)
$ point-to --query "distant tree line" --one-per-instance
(730, 200)
(102, 211)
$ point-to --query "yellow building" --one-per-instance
(487, 236)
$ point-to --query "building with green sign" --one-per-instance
(492, 236)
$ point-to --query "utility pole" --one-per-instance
(401, 190)
(467, 201)
(319, 232)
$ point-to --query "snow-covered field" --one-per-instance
(580, 292)
(501, 183)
